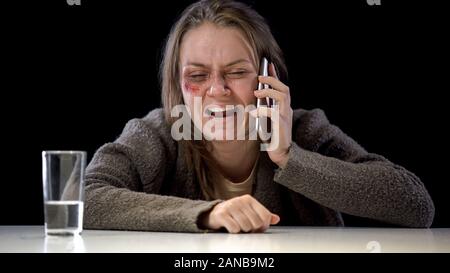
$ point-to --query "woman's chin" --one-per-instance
(220, 135)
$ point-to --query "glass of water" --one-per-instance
(63, 181)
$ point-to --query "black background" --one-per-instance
(74, 75)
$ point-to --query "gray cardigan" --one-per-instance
(141, 181)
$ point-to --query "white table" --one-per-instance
(277, 239)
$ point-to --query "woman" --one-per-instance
(149, 179)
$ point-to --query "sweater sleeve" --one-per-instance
(122, 185)
(330, 168)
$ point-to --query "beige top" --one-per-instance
(225, 189)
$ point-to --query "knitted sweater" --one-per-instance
(141, 181)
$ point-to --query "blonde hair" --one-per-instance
(223, 13)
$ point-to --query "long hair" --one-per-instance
(223, 13)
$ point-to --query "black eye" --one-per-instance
(198, 77)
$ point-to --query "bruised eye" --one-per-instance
(198, 77)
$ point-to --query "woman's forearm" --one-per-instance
(108, 207)
(372, 188)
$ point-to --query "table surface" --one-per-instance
(276, 239)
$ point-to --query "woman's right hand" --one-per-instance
(239, 214)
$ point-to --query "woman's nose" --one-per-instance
(218, 87)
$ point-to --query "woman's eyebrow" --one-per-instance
(196, 64)
(227, 65)
(237, 62)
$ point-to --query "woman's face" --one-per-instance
(218, 71)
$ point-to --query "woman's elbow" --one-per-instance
(418, 210)
(415, 206)
(423, 215)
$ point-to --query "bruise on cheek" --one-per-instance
(191, 88)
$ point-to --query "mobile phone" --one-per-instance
(263, 124)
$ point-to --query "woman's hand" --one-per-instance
(239, 214)
(281, 139)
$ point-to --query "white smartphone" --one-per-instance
(263, 124)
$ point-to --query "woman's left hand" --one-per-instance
(281, 138)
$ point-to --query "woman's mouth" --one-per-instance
(220, 112)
